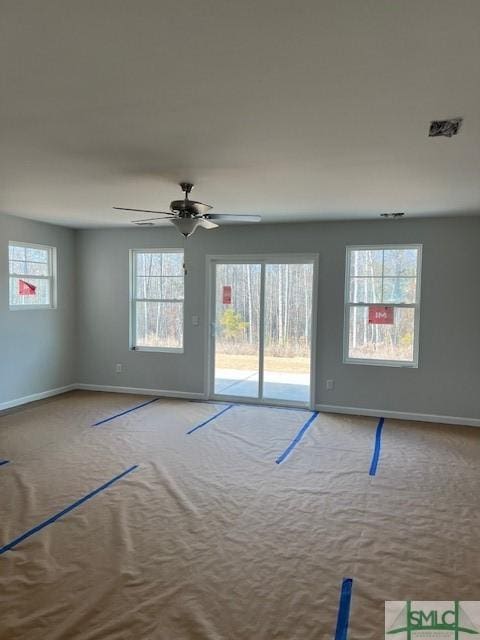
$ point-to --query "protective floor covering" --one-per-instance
(209, 538)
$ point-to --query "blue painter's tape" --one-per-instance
(139, 406)
(341, 632)
(199, 426)
(58, 515)
(297, 438)
(377, 447)
(4, 462)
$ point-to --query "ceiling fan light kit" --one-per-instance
(187, 215)
(186, 226)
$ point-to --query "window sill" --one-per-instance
(382, 363)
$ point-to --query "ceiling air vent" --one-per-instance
(392, 216)
(446, 128)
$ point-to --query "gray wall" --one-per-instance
(37, 347)
(446, 382)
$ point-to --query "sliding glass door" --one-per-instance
(237, 335)
(262, 329)
(287, 331)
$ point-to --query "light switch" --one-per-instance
(195, 321)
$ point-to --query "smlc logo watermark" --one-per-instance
(432, 620)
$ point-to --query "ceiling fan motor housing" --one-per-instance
(186, 208)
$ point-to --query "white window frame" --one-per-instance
(134, 300)
(52, 278)
(410, 364)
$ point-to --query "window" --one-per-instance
(382, 305)
(157, 300)
(32, 274)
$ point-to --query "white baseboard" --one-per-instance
(190, 395)
(398, 415)
(187, 395)
(9, 404)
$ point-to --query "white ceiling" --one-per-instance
(296, 110)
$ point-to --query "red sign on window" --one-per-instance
(380, 315)
(227, 294)
(26, 289)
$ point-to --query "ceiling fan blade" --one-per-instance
(201, 205)
(167, 213)
(233, 217)
(207, 224)
(148, 219)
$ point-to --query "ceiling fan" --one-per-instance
(188, 214)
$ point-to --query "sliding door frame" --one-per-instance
(263, 260)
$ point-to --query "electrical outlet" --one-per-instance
(195, 321)
(330, 385)
(119, 368)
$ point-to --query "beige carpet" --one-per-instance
(210, 539)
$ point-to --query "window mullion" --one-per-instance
(403, 305)
(159, 300)
(383, 273)
(28, 275)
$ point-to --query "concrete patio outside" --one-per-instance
(277, 385)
